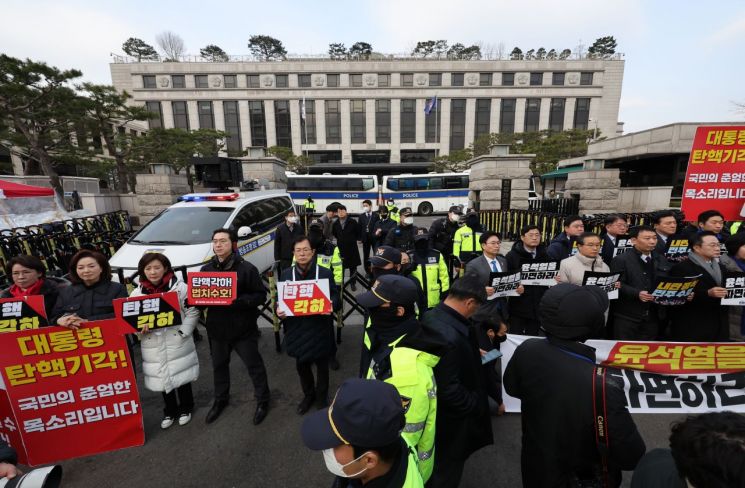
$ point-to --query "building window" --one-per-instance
(532, 114)
(332, 81)
(333, 122)
(384, 80)
(382, 121)
(230, 81)
(233, 143)
(355, 80)
(408, 121)
(148, 81)
(435, 79)
(280, 81)
(371, 157)
(507, 116)
(282, 123)
(258, 124)
(536, 79)
(556, 114)
(178, 81)
(357, 121)
(303, 81)
(456, 79)
(156, 115)
(180, 115)
(581, 113)
(200, 81)
(508, 79)
(308, 124)
(485, 79)
(325, 157)
(483, 114)
(417, 156)
(252, 81)
(585, 78)
(457, 123)
(407, 79)
(557, 79)
(432, 123)
(206, 118)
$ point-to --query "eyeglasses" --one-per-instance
(220, 241)
(493, 243)
(591, 245)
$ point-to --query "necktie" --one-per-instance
(533, 254)
(494, 266)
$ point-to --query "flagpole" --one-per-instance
(305, 127)
(437, 130)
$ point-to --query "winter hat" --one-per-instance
(570, 312)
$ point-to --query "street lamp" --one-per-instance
(595, 131)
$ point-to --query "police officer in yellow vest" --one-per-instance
(430, 268)
(466, 244)
(392, 211)
(359, 435)
(310, 206)
(403, 354)
(736, 227)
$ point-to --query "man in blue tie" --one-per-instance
(490, 262)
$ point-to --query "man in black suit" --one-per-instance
(615, 227)
(490, 262)
(635, 315)
(367, 220)
(346, 231)
(665, 225)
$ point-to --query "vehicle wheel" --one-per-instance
(425, 208)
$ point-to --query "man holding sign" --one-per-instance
(306, 295)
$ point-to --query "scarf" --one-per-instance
(162, 287)
(226, 265)
(34, 289)
(711, 267)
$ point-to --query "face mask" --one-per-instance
(384, 316)
(292, 220)
(365, 209)
(383, 216)
(377, 272)
(336, 468)
(454, 218)
(409, 220)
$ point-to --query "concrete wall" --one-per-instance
(598, 190)
(271, 169)
(644, 199)
(157, 192)
(488, 173)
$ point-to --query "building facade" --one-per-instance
(373, 112)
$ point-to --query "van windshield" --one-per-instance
(183, 225)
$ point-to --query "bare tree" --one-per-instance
(501, 50)
(171, 44)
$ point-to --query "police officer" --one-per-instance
(359, 435)
(429, 268)
(442, 231)
(466, 244)
(402, 237)
(392, 210)
(403, 354)
(310, 206)
(382, 227)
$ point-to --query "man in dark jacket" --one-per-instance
(565, 244)
(442, 230)
(635, 315)
(703, 318)
(286, 234)
(402, 237)
(347, 232)
(616, 226)
(383, 227)
(307, 337)
(524, 308)
(554, 380)
(666, 226)
(463, 422)
(367, 221)
(233, 327)
(8, 460)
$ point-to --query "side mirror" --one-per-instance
(244, 231)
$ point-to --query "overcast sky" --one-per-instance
(685, 60)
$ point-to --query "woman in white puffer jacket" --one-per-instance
(169, 357)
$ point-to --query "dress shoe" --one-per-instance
(215, 411)
(262, 409)
(304, 406)
(333, 363)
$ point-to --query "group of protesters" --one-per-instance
(430, 349)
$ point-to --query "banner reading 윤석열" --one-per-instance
(68, 393)
(665, 377)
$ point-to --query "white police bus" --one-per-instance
(350, 190)
(427, 193)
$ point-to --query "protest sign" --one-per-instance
(735, 285)
(539, 274)
(212, 287)
(676, 249)
(152, 311)
(305, 297)
(623, 244)
(70, 392)
(504, 284)
(606, 281)
(22, 313)
(673, 290)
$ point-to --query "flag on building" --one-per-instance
(430, 105)
(302, 109)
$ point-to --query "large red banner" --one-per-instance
(715, 178)
(69, 393)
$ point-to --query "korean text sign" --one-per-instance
(673, 290)
(22, 313)
(212, 288)
(715, 177)
(152, 311)
(71, 393)
(606, 281)
(735, 285)
(504, 284)
(539, 274)
(306, 297)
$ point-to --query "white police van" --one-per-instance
(183, 231)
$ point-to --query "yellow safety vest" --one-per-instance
(432, 275)
(466, 241)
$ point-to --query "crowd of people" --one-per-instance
(430, 375)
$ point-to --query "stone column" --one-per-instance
(271, 127)
(266, 169)
(156, 192)
(598, 190)
(490, 170)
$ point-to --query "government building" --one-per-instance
(358, 115)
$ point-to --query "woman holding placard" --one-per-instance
(29, 278)
(169, 357)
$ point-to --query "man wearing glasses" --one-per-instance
(572, 269)
(615, 227)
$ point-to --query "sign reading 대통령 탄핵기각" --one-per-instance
(68, 393)
(212, 288)
(22, 313)
(152, 311)
(715, 177)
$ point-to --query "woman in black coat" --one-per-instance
(29, 278)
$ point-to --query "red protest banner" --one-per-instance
(716, 173)
(677, 358)
(71, 392)
(212, 287)
(154, 311)
(307, 297)
(22, 313)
